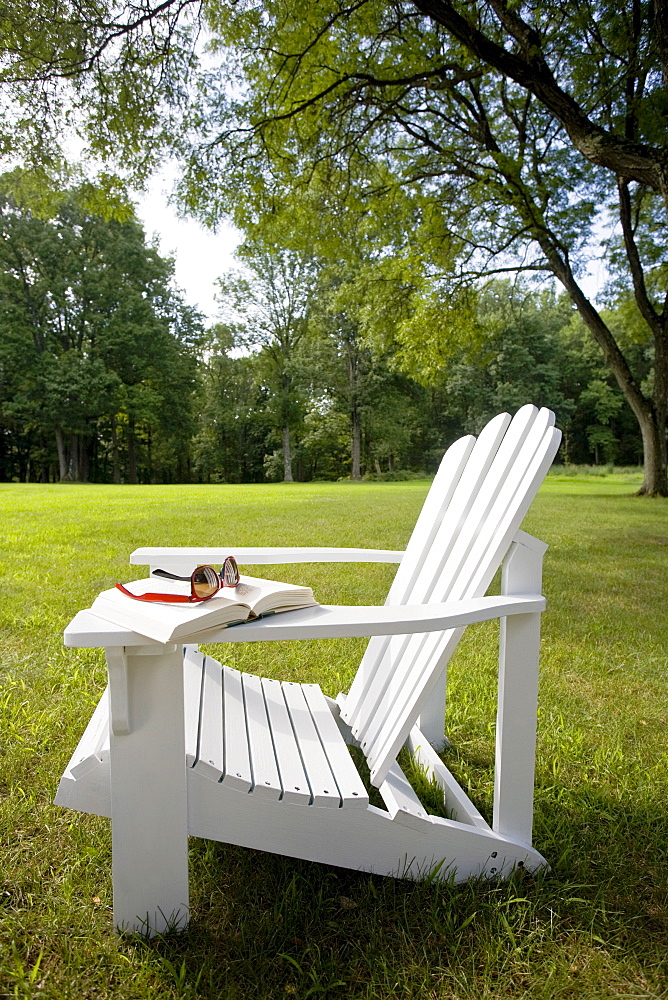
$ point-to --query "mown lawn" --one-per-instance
(594, 926)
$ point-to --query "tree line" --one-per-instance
(96, 349)
(107, 375)
(425, 147)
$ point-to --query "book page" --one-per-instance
(263, 596)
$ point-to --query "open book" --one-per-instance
(252, 598)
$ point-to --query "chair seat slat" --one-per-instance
(210, 753)
(350, 785)
(266, 780)
(238, 773)
(291, 772)
(193, 669)
(324, 789)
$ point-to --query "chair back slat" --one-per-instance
(414, 683)
(478, 505)
(473, 509)
(462, 470)
(437, 501)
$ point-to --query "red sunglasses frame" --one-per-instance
(227, 577)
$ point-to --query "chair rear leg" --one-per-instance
(518, 695)
(432, 718)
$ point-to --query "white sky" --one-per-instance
(200, 255)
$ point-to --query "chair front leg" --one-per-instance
(148, 789)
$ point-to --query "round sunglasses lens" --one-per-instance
(230, 572)
(205, 582)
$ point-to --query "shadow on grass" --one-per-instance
(268, 926)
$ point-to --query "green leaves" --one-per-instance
(91, 333)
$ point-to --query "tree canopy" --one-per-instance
(503, 133)
(92, 334)
(482, 138)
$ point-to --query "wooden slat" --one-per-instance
(210, 751)
(238, 773)
(187, 558)
(88, 753)
(479, 514)
(404, 714)
(402, 803)
(266, 781)
(348, 781)
(386, 739)
(324, 789)
(193, 674)
(456, 525)
(420, 542)
(293, 779)
(430, 519)
(455, 798)
(518, 505)
(493, 520)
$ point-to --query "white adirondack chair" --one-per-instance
(180, 744)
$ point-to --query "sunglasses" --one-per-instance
(205, 582)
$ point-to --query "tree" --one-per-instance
(509, 127)
(92, 334)
(382, 93)
(621, 131)
(234, 422)
(519, 356)
(273, 306)
(353, 368)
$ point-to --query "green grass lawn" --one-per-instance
(594, 926)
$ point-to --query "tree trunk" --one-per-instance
(114, 453)
(73, 458)
(132, 452)
(62, 457)
(84, 454)
(355, 444)
(650, 414)
(655, 480)
(287, 456)
(150, 460)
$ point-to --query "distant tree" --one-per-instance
(271, 303)
(515, 357)
(234, 424)
(91, 334)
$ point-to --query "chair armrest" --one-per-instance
(325, 622)
(348, 621)
(186, 559)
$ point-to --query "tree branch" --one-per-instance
(631, 160)
(647, 310)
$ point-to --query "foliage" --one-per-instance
(117, 71)
(234, 422)
(528, 346)
(97, 350)
(480, 137)
(410, 108)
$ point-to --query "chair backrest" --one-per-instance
(476, 503)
